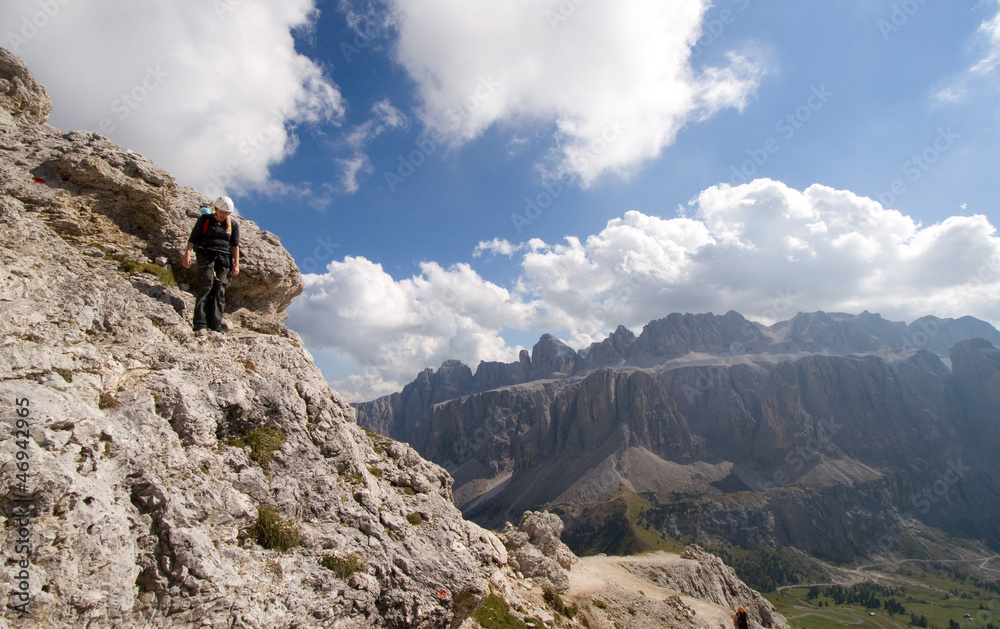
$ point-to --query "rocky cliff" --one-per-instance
(157, 479)
(833, 433)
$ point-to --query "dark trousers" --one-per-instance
(210, 299)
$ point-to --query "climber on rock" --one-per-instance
(216, 242)
(741, 621)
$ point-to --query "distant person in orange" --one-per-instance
(215, 240)
(741, 621)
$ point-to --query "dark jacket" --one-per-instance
(208, 233)
(742, 622)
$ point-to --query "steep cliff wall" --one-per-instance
(734, 432)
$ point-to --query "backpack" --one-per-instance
(204, 226)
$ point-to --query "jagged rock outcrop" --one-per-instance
(706, 577)
(664, 589)
(613, 350)
(535, 550)
(87, 189)
(550, 358)
(21, 96)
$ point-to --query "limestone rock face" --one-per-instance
(21, 96)
(535, 549)
(694, 589)
(705, 576)
(99, 196)
(163, 470)
(551, 358)
(613, 350)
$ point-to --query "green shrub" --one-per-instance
(380, 443)
(494, 613)
(263, 442)
(166, 276)
(344, 567)
(415, 518)
(556, 603)
(352, 478)
(275, 532)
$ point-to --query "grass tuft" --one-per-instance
(263, 442)
(344, 567)
(275, 532)
(494, 613)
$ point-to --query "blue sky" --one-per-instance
(456, 177)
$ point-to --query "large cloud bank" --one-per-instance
(763, 249)
(212, 91)
(613, 78)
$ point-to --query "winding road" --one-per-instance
(861, 573)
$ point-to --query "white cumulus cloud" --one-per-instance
(358, 310)
(763, 249)
(211, 91)
(613, 79)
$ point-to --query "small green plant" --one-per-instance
(380, 443)
(274, 531)
(415, 518)
(374, 471)
(353, 479)
(166, 276)
(494, 613)
(598, 603)
(263, 442)
(344, 567)
(556, 603)
(405, 489)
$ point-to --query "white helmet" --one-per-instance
(224, 204)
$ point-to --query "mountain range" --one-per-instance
(842, 435)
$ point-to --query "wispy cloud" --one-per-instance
(986, 40)
(497, 246)
(384, 117)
